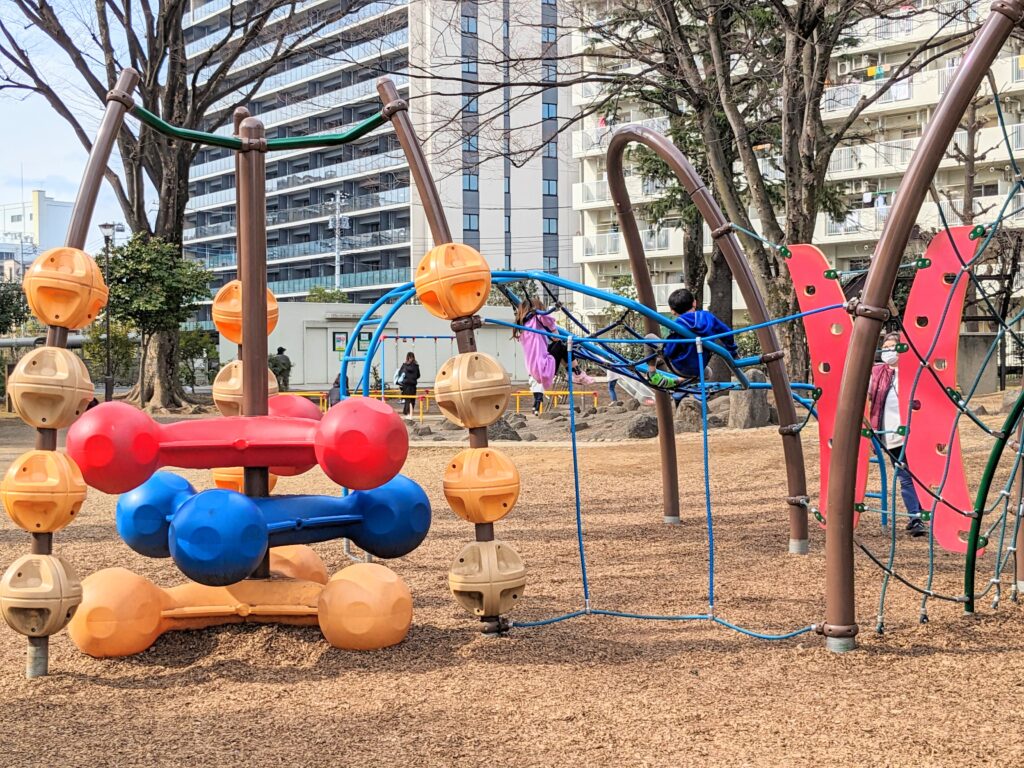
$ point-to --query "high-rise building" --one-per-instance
(868, 165)
(39, 223)
(433, 51)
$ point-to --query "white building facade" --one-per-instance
(381, 231)
(35, 224)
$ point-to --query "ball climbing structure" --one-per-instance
(481, 484)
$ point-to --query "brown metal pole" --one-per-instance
(119, 101)
(871, 311)
(1018, 543)
(396, 110)
(251, 239)
(796, 478)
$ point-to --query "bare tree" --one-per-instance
(200, 93)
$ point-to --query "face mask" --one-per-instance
(890, 356)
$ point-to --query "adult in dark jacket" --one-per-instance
(407, 378)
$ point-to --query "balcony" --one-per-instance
(328, 100)
(360, 203)
(609, 246)
(944, 18)
(380, 277)
(591, 305)
(388, 238)
(334, 172)
(595, 194)
(595, 140)
(842, 98)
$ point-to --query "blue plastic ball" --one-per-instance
(143, 514)
(396, 518)
(218, 537)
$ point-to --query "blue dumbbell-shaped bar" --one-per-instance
(219, 537)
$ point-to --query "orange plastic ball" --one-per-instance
(481, 485)
(65, 287)
(453, 280)
(227, 311)
(365, 607)
(120, 614)
(233, 479)
(43, 491)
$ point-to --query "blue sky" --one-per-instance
(40, 143)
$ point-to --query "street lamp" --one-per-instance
(108, 230)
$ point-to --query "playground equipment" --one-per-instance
(246, 552)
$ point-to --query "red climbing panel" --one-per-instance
(932, 317)
(828, 335)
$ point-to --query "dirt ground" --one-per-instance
(589, 691)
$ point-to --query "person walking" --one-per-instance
(407, 378)
(281, 366)
(538, 395)
(613, 380)
(883, 395)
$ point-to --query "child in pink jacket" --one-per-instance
(543, 353)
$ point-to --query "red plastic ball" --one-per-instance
(116, 446)
(361, 443)
(293, 405)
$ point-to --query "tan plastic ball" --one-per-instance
(39, 595)
(365, 607)
(50, 388)
(472, 389)
(487, 578)
(64, 287)
(42, 491)
(227, 388)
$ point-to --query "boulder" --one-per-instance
(642, 426)
(617, 404)
(422, 430)
(549, 414)
(528, 437)
(517, 421)
(720, 405)
(451, 426)
(773, 414)
(980, 410)
(748, 408)
(439, 438)
(501, 430)
(631, 405)
(688, 418)
(581, 425)
(715, 421)
(589, 411)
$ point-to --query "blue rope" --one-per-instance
(707, 481)
(576, 482)
(669, 617)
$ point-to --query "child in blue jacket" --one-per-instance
(682, 357)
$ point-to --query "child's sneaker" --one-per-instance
(916, 527)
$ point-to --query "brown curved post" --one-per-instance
(871, 311)
(396, 110)
(251, 240)
(119, 101)
(793, 450)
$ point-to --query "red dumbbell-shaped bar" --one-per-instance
(360, 444)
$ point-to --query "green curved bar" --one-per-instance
(981, 500)
(230, 142)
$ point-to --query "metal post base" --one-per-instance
(840, 644)
(38, 657)
(670, 520)
(798, 546)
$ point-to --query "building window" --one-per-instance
(471, 144)
(16, 218)
(470, 182)
(547, 2)
(469, 67)
(469, 104)
(550, 226)
(550, 186)
(507, 185)
(548, 34)
(551, 149)
(549, 111)
(551, 264)
(469, 25)
(470, 222)
(548, 72)
(508, 223)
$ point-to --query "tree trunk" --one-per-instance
(694, 267)
(719, 278)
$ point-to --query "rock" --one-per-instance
(581, 425)
(749, 407)
(451, 426)
(422, 430)
(528, 437)
(591, 411)
(632, 405)
(773, 414)
(603, 409)
(439, 438)
(714, 420)
(548, 415)
(1009, 398)
(517, 421)
(642, 426)
(688, 418)
(501, 430)
(980, 410)
(720, 405)
(617, 404)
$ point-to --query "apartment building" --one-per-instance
(37, 223)
(870, 164)
(354, 204)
